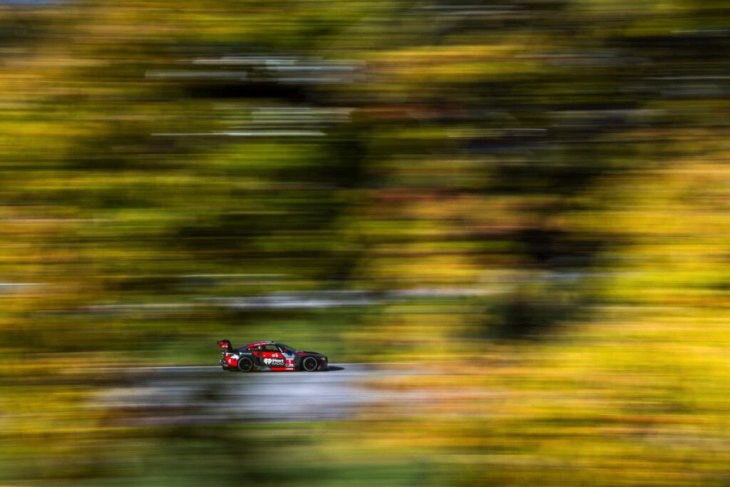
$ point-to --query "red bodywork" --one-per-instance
(282, 359)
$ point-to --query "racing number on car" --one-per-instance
(289, 359)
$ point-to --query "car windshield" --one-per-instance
(286, 348)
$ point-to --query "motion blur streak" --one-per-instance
(506, 221)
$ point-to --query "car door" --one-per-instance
(272, 357)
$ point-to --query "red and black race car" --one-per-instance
(269, 356)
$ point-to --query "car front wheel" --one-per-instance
(310, 364)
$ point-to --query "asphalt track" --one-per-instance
(209, 395)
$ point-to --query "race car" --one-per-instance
(269, 356)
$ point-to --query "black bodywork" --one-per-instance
(269, 356)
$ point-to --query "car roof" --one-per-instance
(255, 344)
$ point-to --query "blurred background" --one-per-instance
(505, 222)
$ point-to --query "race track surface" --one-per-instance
(209, 395)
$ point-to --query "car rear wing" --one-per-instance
(225, 345)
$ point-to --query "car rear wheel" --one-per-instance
(245, 364)
(310, 364)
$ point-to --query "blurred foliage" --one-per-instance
(481, 172)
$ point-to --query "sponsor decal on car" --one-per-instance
(274, 361)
